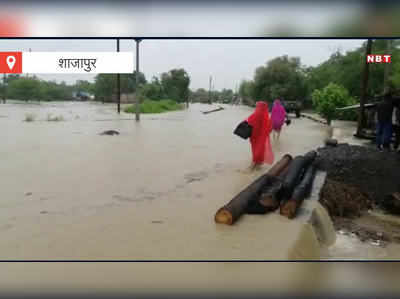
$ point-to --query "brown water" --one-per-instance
(149, 193)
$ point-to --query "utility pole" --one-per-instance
(364, 87)
(27, 75)
(386, 80)
(118, 84)
(4, 88)
(137, 81)
(209, 91)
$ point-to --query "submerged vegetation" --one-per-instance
(55, 118)
(149, 106)
(29, 117)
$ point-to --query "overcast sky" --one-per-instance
(227, 61)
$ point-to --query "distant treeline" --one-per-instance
(336, 80)
(334, 83)
(31, 88)
(172, 85)
(285, 77)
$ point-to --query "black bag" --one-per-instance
(243, 130)
(288, 121)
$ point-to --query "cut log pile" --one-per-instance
(285, 185)
(231, 212)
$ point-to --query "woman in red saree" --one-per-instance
(259, 139)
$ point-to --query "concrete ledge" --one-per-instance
(317, 228)
(314, 118)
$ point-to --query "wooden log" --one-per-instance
(295, 174)
(214, 110)
(266, 200)
(269, 198)
(231, 212)
(290, 207)
(280, 166)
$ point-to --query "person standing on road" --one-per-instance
(259, 139)
(384, 126)
(278, 115)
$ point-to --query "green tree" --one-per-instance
(153, 90)
(200, 95)
(226, 95)
(24, 88)
(52, 91)
(84, 85)
(246, 92)
(329, 98)
(175, 84)
(342, 69)
(346, 70)
(105, 85)
(282, 77)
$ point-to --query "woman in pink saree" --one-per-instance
(278, 115)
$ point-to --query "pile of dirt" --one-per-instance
(364, 170)
(342, 200)
(359, 179)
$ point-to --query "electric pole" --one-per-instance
(209, 91)
(4, 88)
(364, 87)
(137, 81)
(118, 84)
(386, 80)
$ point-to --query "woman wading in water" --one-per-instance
(278, 115)
(259, 139)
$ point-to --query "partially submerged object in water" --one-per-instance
(110, 132)
(331, 142)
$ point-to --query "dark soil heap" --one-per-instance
(356, 177)
(343, 200)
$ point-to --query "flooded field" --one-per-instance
(149, 193)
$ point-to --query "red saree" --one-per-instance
(259, 140)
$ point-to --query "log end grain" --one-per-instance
(223, 216)
(270, 203)
(289, 209)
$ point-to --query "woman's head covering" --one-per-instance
(261, 107)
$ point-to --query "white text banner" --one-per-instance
(77, 62)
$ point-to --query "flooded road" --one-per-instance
(149, 193)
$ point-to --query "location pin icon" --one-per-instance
(10, 61)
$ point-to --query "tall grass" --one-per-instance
(54, 118)
(149, 106)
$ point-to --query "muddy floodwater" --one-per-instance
(150, 192)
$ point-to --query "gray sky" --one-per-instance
(228, 61)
